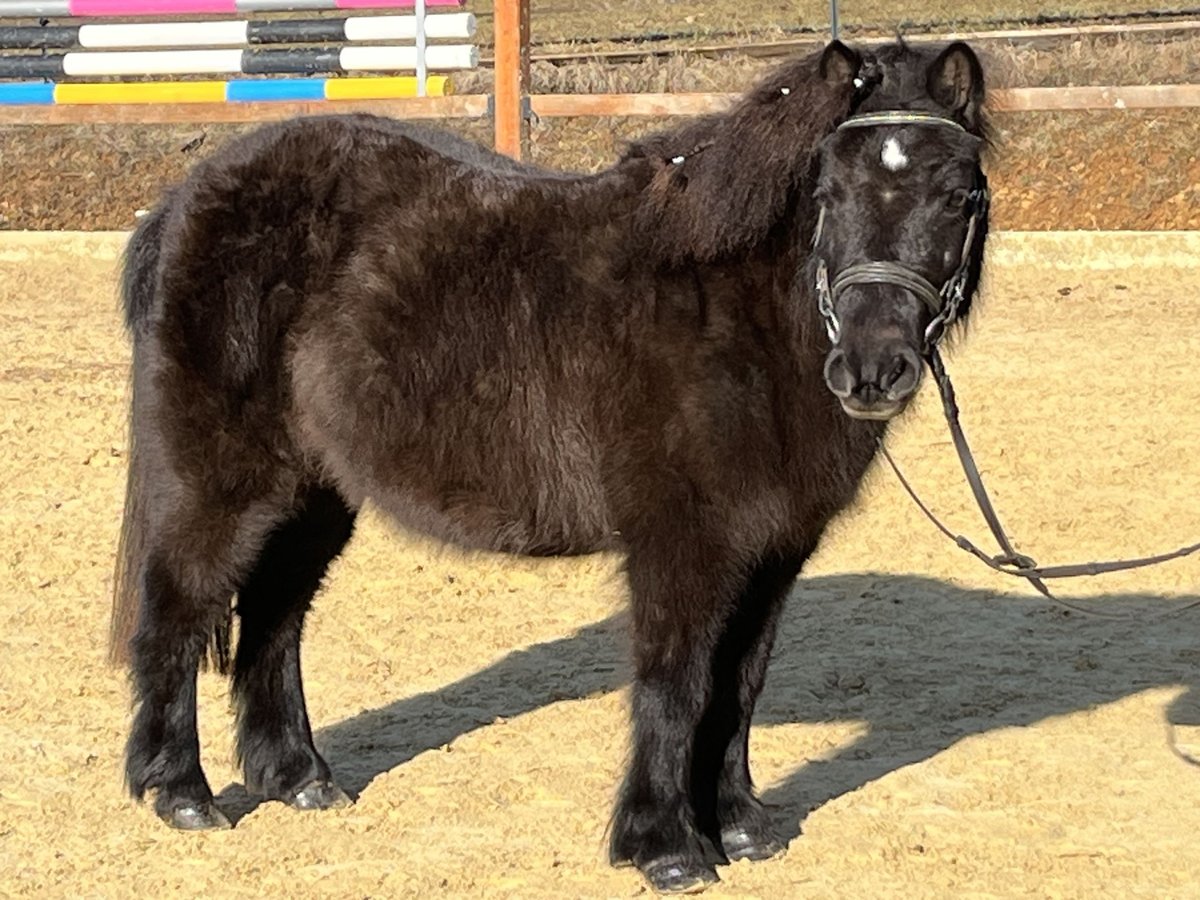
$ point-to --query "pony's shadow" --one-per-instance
(921, 663)
(590, 661)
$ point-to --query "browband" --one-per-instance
(899, 117)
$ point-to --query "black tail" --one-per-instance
(139, 267)
(139, 285)
(139, 277)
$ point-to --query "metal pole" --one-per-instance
(422, 69)
(835, 28)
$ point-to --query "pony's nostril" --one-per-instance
(837, 373)
(892, 375)
(902, 376)
(881, 378)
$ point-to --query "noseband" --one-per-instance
(944, 303)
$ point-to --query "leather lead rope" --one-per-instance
(1009, 561)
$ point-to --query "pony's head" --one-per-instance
(902, 218)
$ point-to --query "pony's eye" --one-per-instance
(958, 198)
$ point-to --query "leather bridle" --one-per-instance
(944, 303)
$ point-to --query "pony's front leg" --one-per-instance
(722, 787)
(682, 588)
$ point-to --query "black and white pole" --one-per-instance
(257, 61)
(354, 29)
(419, 11)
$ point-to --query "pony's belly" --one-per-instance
(478, 522)
(484, 461)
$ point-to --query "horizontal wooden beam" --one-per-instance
(465, 106)
(1124, 29)
(1067, 99)
(1035, 99)
(566, 105)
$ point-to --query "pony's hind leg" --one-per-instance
(196, 548)
(175, 626)
(722, 790)
(274, 737)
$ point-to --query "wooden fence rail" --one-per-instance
(548, 106)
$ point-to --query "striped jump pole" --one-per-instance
(308, 60)
(245, 90)
(352, 29)
(127, 8)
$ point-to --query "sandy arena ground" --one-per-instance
(932, 729)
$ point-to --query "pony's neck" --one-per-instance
(722, 185)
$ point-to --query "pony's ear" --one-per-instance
(839, 64)
(956, 81)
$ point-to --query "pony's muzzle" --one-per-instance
(874, 386)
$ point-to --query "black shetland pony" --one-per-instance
(689, 357)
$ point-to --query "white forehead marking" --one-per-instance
(893, 157)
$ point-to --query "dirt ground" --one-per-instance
(928, 729)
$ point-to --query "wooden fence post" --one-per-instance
(512, 76)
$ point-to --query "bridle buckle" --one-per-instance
(833, 326)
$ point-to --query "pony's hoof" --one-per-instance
(196, 817)
(676, 875)
(741, 843)
(320, 795)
